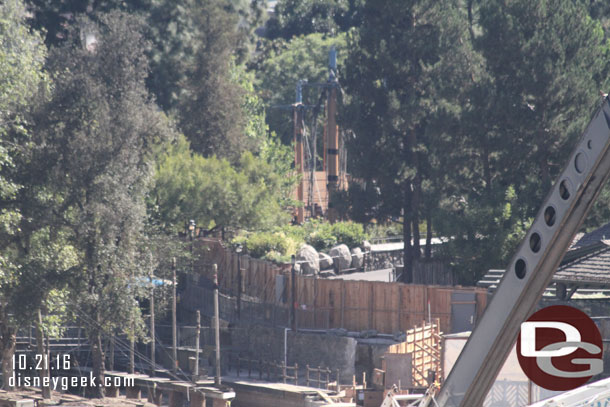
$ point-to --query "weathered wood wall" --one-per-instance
(322, 303)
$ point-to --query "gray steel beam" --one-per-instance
(531, 269)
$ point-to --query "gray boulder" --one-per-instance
(369, 333)
(307, 257)
(337, 332)
(342, 258)
(357, 258)
(366, 246)
(326, 261)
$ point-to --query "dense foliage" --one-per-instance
(120, 121)
(279, 243)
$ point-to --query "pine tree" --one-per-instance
(401, 77)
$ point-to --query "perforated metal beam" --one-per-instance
(532, 267)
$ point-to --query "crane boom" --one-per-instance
(532, 267)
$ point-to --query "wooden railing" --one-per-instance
(320, 376)
(272, 370)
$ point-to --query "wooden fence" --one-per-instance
(325, 304)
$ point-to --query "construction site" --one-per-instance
(343, 329)
(303, 302)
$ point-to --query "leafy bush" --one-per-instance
(386, 230)
(349, 233)
(277, 257)
(278, 245)
(322, 238)
(259, 244)
(271, 245)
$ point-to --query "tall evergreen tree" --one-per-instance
(293, 18)
(544, 63)
(194, 46)
(400, 78)
(97, 133)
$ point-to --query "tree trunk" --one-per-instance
(545, 173)
(415, 208)
(407, 272)
(487, 167)
(97, 354)
(428, 235)
(8, 342)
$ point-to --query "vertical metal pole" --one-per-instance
(299, 157)
(174, 322)
(293, 299)
(332, 133)
(46, 390)
(217, 380)
(286, 346)
(196, 376)
(239, 283)
(152, 323)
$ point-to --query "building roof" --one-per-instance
(601, 233)
(591, 268)
(586, 265)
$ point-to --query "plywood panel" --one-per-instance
(440, 306)
(385, 307)
(305, 302)
(328, 302)
(412, 305)
(356, 305)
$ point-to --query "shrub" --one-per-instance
(271, 245)
(284, 241)
(385, 230)
(322, 239)
(260, 243)
(277, 257)
(349, 233)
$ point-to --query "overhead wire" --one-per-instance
(92, 323)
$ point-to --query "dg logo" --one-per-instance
(560, 348)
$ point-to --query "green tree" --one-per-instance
(97, 135)
(400, 81)
(216, 194)
(57, 16)
(22, 79)
(191, 60)
(303, 58)
(293, 18)
(532, 96)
